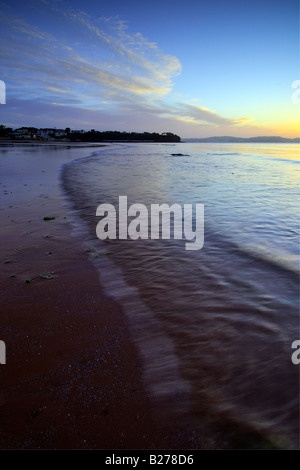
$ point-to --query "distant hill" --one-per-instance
(260, 139)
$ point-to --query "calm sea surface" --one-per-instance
(214, 326)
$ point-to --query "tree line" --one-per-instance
(98, 136)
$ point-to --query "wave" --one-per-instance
(213, 327)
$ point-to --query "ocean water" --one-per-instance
(214, 326)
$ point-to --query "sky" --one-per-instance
(192, 67)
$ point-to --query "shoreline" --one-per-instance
(73, 376)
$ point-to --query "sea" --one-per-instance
(214, 326)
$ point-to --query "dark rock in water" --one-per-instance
(179, 155)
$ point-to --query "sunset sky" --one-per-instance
(193, 67)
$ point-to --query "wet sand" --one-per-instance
(73, 376)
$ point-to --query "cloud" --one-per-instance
(196, 115)
(93, 66)
(106, 61)
(200, 115)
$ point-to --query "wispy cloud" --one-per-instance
(200, 115)
(91, 64)
(193, 114)
(116, 63)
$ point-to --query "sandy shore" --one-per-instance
(72, 379)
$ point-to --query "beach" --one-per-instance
(73, 376)
(149, 223)
(141, 344)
